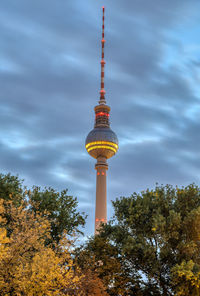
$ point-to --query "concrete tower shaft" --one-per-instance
(101, 193)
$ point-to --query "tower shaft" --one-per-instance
(101, 193)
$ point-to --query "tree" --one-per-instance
(58, 207)
(27, 265)
(103, 259)
(156, 238)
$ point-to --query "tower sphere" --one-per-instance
(101, 141)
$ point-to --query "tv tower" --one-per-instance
(101, 143)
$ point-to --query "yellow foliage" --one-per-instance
(187, 279)
(27, 266)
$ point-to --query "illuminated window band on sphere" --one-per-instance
(101, 143)
(102, 147)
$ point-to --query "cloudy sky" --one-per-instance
(49, 84)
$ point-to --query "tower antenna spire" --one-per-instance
(102, 91)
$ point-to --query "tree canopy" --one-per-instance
(29, 267)
(36, 243)
(58, 207)
(150, 247)
(154, 237)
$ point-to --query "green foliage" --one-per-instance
(11, 188)
(156, 238)
(60, 209)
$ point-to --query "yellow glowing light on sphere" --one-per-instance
(102, 148)
(101, 142)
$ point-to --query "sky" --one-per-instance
(50, 81)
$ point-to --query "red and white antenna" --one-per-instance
(102, 91)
